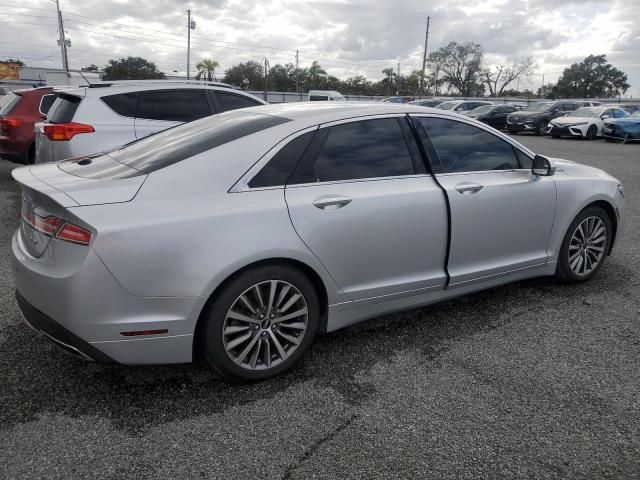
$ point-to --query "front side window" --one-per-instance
(174, 105)
(465, 148)
(363, 149)
(231, 101)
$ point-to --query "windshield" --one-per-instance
(482, 110)
(587, 112)
(447, 105)
(540, 107)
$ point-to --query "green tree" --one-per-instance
(248, 75)
(207, 69)
(13, 60)
(591, 78)
(459, 66)
(317, 75)
(132, 68)
(387, 81)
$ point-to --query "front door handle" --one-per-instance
(331, 203)
(468, 188)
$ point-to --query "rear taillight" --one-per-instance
(61, 132)
(51, 227)
(8, 123)
(74, 234)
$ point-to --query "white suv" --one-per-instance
(100, 117)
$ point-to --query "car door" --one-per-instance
(166, 108)
(498, 117)
(501, 214)
(362, 202)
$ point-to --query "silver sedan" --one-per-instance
(240, 237)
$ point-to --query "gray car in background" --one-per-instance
(103, 116)
(241, 236)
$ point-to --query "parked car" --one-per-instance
(427, 102)
(397, 99)
(629, 107)
(101, 117)
(537, 117)
(325, 96)
(242, 235)
(627, 128)
(462, 106)
(493, 115)
(584, 103)
(19, 111)
(586, 122)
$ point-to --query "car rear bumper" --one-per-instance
(80, 305)
(11, 147)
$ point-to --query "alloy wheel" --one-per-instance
(265, 325)
(587, 246)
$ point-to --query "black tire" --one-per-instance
(592, 132)
(31, 156)
(210, 340)
(541, 131)
(564, 272)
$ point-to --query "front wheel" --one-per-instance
(542, 128)
(585, 246)
(592, 132)
(260, 324)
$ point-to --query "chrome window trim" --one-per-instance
(359, 180)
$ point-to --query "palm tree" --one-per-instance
(207, 70)
(316, 74)
(388, 72)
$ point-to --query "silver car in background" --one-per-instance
(103, 116)
(243, 235)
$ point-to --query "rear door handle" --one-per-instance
(468, 188)
(331, 203)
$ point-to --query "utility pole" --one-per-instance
(424, 57)
(266, 76)
(62, 41)
(542, 89)
(297, 74)
(191, 25)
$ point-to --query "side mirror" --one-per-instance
(542, 166)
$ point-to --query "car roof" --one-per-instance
(137, 87)
(325, 112)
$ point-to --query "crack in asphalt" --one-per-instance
(314, 447)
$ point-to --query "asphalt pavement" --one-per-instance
(530, 380)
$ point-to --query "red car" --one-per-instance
(19, 111)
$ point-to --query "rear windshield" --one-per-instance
(172, 146)
(63, 109)
(7, 102)
(318, 98)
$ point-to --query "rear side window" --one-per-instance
(281, 166)
(46, 102)
(125, 104)
(318, 98)
(7, 102)
(231, 101)
(63, 109)
(176, 144)
(174, 105)
(465, 148)
(363, 149)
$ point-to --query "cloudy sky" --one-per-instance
(347, 37)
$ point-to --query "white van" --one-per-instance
(325, 95)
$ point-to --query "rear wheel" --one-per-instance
(260, 324)
(585, 245)
(592, 132)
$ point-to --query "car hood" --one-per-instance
(572, 120)
(624, 121)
